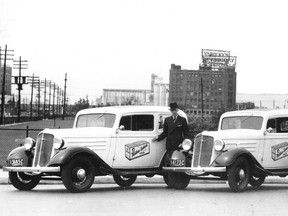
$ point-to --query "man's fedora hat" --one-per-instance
(173, 106)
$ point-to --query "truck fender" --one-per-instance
(228, 157)
(20, 156)
(175, 155)
(67, 154)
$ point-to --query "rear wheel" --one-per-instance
(124, 181)
(239, 174)
(78, 174)
(257, 181)
(178, 180)
(23, 181)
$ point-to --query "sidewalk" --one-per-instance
(145, 180)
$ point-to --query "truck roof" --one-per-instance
(125, 109)
(257, 112)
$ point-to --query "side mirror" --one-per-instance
(269, 130)
(122, 128)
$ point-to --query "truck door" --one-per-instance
(275, 154)
(134, 146)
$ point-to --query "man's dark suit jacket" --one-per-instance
(175, 132)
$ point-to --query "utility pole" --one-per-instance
(59, 100)
(31, 80)
(31, 100)
(56, 96)
(202, 99)
(20, 81)
(3, 81)
(49, 105)
(64, 101)
(39, 97)
(53, 106)
(44, 105)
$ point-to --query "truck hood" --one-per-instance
(235, 134)
(81, 132)
(97, 139)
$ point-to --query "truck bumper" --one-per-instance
(33, 169)
(195, 170)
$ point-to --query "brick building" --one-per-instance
(204, 91)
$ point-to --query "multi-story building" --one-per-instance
(126, 97)
(160, 91)
(157, 95)
(204, 91)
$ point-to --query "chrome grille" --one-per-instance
(43, 150)
(203, 148)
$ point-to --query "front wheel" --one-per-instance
(23, 181)
(257, 181)
(178, 180)
(239, 174)
(78, 174)
(166, 180)
(124, 181)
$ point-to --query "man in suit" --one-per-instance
(175, 129)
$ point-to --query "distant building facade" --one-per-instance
(245, 105)
(120, 97)
(157, 95)
(204, 91)
(160, 91)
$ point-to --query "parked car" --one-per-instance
(248, 146)
(103, 141)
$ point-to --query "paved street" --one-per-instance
(145, 199)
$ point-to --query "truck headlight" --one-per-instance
(186, 144)
(58, 143)
(219, 145)
(29, 143)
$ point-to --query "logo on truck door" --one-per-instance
(137, 149)
(279, 151)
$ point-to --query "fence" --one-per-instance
(10, 139)
(10, 133)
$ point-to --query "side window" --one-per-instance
(126, 121)
(282, 125)
(279, 125)
(138, 122)
(160, 121)
(271, 124)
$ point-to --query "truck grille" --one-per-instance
(203, 148)
(43, 150)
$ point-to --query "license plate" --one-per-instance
(177, 162)
(16, 162)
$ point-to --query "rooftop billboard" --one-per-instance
(217, 58)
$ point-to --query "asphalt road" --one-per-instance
(145, 199)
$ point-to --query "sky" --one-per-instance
(119, 43)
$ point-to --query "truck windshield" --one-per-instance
(96, 120)
(242, 122)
